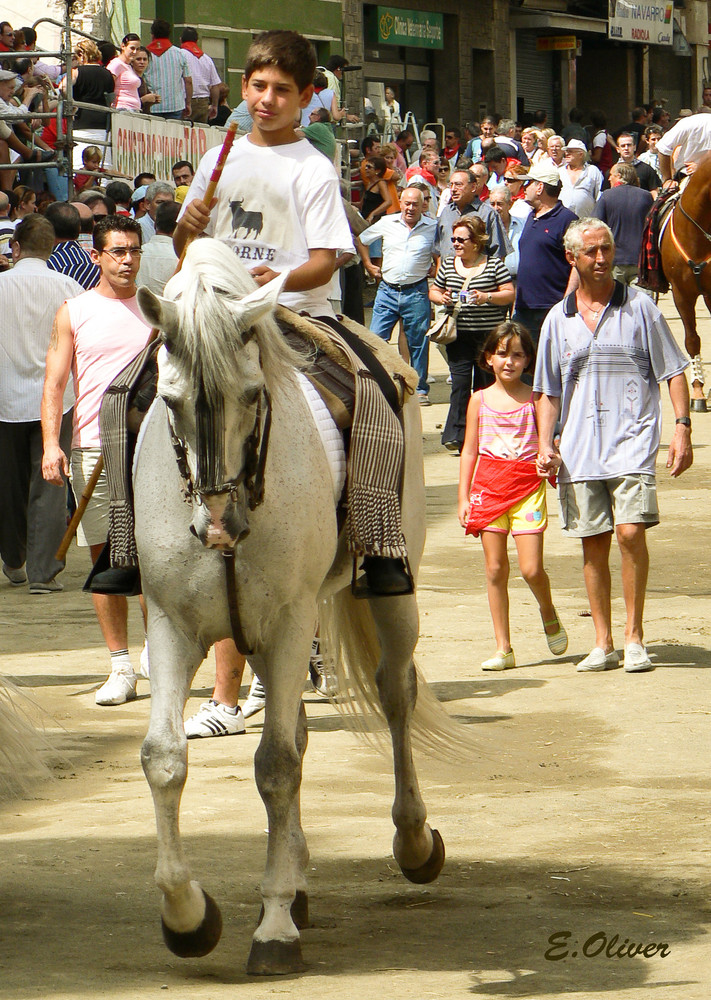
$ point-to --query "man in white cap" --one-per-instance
(582, 181)
(544, 273)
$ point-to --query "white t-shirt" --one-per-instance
(688, 140)
(274, 204)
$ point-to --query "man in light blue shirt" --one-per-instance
(408, 244)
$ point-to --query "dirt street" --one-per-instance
(580, 827)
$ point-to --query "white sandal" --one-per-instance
(501, 661)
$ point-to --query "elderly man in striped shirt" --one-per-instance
(168, 74)
(68, 257)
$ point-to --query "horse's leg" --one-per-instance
(685, 302)
(276, 948)
(191, 920)
(418, 850)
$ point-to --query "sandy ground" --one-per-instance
(583, 818)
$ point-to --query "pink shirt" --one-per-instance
(108, 334)
(511, 435)
(127, 84)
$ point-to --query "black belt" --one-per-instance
(401, 288)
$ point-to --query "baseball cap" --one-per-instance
(547, 174)
(180, 193)
(576, 144)
(6, 74)
(139, 194)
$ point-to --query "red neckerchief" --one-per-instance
(449, 153)
(5, 48)
(192, 47)
(159, 45)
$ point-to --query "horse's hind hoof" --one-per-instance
(699, 406)
(275, 958)
(201, 941)
(429, 871)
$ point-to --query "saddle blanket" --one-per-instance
(331, 437)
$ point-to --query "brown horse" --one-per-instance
(686, 252)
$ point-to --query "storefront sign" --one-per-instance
(648, 23)
(556, 43)
(415, 28)
(143, 143)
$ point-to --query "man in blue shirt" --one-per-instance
(408, 245)
(544, 274)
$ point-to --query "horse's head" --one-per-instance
(211, 379)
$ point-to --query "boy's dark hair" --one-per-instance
(505, 332)
(140, 179)
(368, 143)
(288, 51)
(119, 192)
(108, 52)
(167, 217)
(540, 116)
(189, 35)
(160, 28)
(30, 35)
(494, 154)
(114, 224)
(65, 220)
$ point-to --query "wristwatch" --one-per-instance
(686, 421)
(488, 298)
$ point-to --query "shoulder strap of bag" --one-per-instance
(458, 303)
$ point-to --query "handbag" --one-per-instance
(444, 328)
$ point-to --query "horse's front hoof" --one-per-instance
(299, 911)
(429, 871)
(275, 958)
(201, 941)
(699, 406)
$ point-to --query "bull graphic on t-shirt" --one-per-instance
(251, 222)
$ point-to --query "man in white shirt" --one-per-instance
(33, 519)
(206, 81)
(683, 144)
(156, 193)
(408, 246)
(159, 260)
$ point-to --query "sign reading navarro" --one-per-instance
(415, 28)
(648, 23)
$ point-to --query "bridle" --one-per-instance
(210, 478)
(697, 267)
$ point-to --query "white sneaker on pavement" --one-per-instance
(118, 688)
(598, 659)
(214, 719)
(637, 659)
(256, 699)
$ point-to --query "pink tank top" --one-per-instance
(108, 333)
(513, 435)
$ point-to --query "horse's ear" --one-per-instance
(263, 300)
(161, 313)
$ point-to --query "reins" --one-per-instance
(697, 267)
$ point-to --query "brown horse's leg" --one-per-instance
(685, 295)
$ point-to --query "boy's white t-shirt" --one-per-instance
(274, 204)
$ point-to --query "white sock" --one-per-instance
(120, 662)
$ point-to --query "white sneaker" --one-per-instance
(144, 664)
(598, 659)
(17, 577)
(214, 719)
(637, 659)
(118, 688)
(256, 699)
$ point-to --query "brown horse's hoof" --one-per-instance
(429, 871)
(699, 406)
(275, 958)
(201, 941)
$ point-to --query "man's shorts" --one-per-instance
(94, 526)
(596, 506)
(527, 517)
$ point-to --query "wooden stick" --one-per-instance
(79, 512)
(98, 468)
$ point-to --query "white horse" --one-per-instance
(222, 351)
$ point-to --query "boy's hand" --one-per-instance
(263, 274)
(197, 216)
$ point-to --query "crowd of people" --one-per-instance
(530, 236)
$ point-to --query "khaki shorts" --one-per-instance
(94, 526)
(596, 506)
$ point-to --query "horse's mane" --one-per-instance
(207, 292)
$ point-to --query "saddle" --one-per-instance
(651, 272)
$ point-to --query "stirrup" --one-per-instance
(363, 587)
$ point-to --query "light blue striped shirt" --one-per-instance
(164, 76)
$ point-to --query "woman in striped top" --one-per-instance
(500, 489)
(489, 293)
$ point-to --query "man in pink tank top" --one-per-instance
(94, 337)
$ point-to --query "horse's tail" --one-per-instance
(21, 744)
(351, 650)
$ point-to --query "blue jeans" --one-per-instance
(412, 306)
